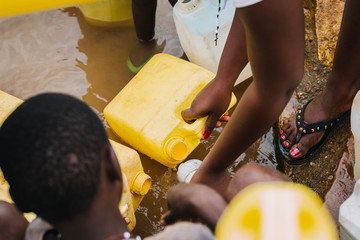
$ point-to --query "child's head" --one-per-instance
(52, 148)
(250, 174)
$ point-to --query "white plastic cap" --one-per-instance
(187, 169)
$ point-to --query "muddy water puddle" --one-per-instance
(58, 51)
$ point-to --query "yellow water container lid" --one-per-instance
(276, 211)
(141, 183)
(176, 149)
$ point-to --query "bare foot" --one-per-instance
(324, 107)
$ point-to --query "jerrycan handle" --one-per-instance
(197, 126)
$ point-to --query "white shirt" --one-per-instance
(244, 3)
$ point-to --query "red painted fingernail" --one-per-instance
(206, 134)
(282, 137)
(294, 152)
(286, 144)
(281, 131)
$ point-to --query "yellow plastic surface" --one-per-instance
(275, 210)
(136, 183)
(139, 182)
(15, 7)
(108, 13)
(147, 112)
(8, 104)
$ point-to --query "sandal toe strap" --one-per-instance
(304, 127)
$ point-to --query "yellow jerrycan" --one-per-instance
(136, 183)
(108, 13)
(276, 210)
(147, 112)
(15, 7)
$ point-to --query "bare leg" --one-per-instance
(144, 18)
(341, 88)
(275, 44)
(144, 12)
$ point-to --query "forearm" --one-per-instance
(252, 118)
(234, 57)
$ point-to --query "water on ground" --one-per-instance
(58, 51)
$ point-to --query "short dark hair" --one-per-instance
(50, 149)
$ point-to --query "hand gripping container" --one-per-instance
(147, 112)
(195, 22)
(108, 13)
(136, 183)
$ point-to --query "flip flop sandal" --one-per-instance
(132, 67)
(304, 128)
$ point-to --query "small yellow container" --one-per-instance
(108, 13)
(136, 183)
(137, 180)
(147, 112)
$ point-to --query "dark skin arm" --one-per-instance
(214, 99)
(194, 202)
(275, 44)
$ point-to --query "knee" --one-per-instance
(250, 174)
(295, 80)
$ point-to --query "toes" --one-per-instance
(286, 144)
(286, 125)
(304, 145)
(291, 138)
(297, 151)
(288, 137)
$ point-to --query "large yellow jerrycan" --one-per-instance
(276, 210)
(108, 13)
(147, 112)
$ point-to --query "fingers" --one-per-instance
(210, 124)
(189, 115)
(214, 120)
(167, 218)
